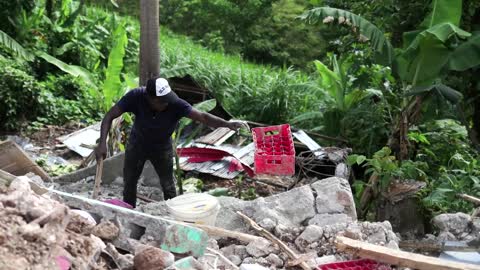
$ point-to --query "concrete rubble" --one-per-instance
(307, 219)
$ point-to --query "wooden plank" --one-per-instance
(15, 161)
(469, 198)
(6, 179)
(398, 257)
(216, 137)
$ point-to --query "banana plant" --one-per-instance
(29, 55)
(337, 84)
(437, 46)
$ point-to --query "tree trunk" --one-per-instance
(149, 32)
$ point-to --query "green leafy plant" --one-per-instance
(204, 106)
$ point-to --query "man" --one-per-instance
(157, 110)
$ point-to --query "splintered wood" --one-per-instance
(398, 257)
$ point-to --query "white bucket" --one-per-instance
(198, 208)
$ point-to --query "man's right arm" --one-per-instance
(101, 149)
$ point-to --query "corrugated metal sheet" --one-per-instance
(310, 143)
(220, 168)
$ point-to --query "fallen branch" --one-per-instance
(220, 232)
(232, 265)
(275, 240)
(469, 198)
(398, 257)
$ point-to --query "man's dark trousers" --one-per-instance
(135, 157)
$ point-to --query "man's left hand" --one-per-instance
(236, 125)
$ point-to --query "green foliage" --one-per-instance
(240, 86)
(385, 166)
(10, 9)
(366, 30)
(453, 165)
(12, 44)
(112, 87)
(55, 169)
(75, 71)
(19, 92)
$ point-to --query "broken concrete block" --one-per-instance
(329, 219)
(289, 208)
(235, 259)
(252, 267)
(241, 251)
(342, 171)
(106, 230)
(152, 258)
(260, 248)
(268, 224)
(136, 227)
(353, 231)
(311, 234)
(454, 223)
(334, 195)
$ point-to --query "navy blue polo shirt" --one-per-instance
(152, 129)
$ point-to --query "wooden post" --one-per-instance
(149, 39)
(98, 179)
(398, 257)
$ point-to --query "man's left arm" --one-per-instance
(212, 120)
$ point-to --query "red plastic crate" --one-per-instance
(355, 265)
(274, 150)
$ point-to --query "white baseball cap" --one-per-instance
(159, 88)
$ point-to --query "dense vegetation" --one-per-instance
(398, 80)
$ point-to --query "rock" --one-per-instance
(334, 195)
(260, 248)
(188, 263)
(285, 233)
(325, 260)
(262, 261)
(252, 267)
(228, 219)
(241, 251)
(213, 244)
(235, 259)
(353, 231)
(274, 260)
(393, 245)
(152, 258)
(329, 219)
(289, 208)
(106, 230)
(155, 209)
(446, 236)
(228, 250)
(249, 260)
(311, 234)
(453, 223)
(268, 224)
(342, 171)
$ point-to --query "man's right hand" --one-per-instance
(101, 151)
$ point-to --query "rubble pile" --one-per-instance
(456, 227)
(41, 233)
(307, 219)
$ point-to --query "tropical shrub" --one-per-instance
(19, 94)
